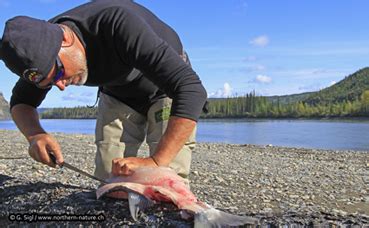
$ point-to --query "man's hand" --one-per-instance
(40, 147)
(40, 143)
(126, 166)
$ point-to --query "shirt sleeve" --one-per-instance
(27, 93)
(140, 47)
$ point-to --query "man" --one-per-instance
(138, 63)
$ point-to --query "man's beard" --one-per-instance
(83, 75)
(80, 60)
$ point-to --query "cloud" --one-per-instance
(260, 41)
(78, 98)
(222, 93)
(332, 83)
(263, 79)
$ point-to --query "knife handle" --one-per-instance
(52, 157)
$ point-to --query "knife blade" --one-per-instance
(75, 169)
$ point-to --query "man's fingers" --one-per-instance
(58, 157)
(54, 148)
(126, 170)
(46, 158)
(121, 167)
(42, 157)
(34, 155)
(115, 166)
(115, 161)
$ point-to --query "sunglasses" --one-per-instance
(59, 74)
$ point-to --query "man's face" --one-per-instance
(75, 72)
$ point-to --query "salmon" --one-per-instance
(149, 185)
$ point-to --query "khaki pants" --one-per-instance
(120, 131)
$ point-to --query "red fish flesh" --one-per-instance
(162, 184)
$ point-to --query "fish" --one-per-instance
(151, 185)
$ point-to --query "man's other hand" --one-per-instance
(126, 166)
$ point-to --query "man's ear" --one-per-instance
(68, 36)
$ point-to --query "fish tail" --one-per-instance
(138, 203)
(212, 217)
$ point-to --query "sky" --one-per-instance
(237, 46)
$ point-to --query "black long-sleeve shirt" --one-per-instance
(132, 55)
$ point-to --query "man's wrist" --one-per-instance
(34, 135)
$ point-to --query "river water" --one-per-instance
(320, 134)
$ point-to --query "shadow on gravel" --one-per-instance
(40, 198)
(25, 200)
(16, 191)
(4, 178)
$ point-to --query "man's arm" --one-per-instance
(27, 120)
(178, 131)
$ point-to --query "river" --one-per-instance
(319, 134)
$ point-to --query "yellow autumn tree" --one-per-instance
(365, 101)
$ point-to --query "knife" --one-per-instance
(75, 169)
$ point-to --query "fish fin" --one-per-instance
(212, 217)
(186, 215)
(138, 203)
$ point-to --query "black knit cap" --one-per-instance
(29, 47)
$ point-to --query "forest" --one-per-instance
(347, 98)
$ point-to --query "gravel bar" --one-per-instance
(281, 186)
